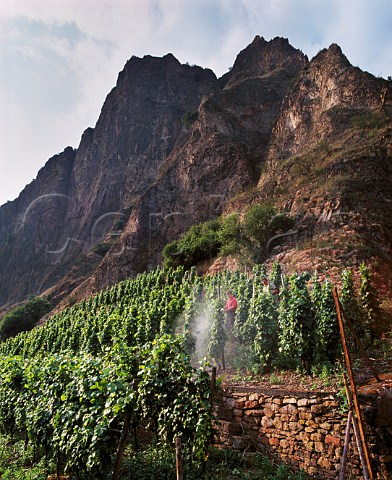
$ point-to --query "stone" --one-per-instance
(284, 444)
(272, 406)
(266, 422)
(294, 426)
(223, 413)
(312, 423)
(324, 463)
(274, 441)
(290, 400)
(304, 437)
(268, 412)
(317, 409)
(290, 409)
(264, 440)
(331, 404)
(305, 415)
(338, 452)
(278, 423)
(241, 443)
(319, 446)
(229, 428)
(331, 439)
(310, 446)
(326, 426)
(254, 413)
(385, 458)
(240, 404)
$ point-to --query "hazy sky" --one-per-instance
(60, 58)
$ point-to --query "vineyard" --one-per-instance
(134, 357)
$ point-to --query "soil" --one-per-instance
(290, 381)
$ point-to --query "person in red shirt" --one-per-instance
(230, 309)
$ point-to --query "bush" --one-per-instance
(198, 243)
(189, 118)
(370, 303)
(256, 224)
(23, 318)
(261, 226)
(229, 235)
(249, 239)
(101, 248)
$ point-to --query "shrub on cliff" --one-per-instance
(250, 238)
(24, 317)
(198, 243)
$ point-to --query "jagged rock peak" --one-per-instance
(139, 66)
(332, 55)
(263, 57)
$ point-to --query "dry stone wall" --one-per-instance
(304, 430)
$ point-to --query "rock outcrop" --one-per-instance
(174, 146)
(79, 197)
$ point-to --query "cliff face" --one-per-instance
(31, 228)
(221, 156)
(49, 233)
(329, 92)
(174, 146)
(329, 164)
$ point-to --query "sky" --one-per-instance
(60, 58)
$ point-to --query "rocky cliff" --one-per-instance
(55, 231)
(174, 146)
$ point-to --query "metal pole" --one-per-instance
(356, 430)
(352, 383)
(346, 441)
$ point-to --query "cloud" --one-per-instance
(60, 58)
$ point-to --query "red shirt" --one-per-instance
(231, 304)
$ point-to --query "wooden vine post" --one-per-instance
(122, 444)
(178, 458)
(361, 440)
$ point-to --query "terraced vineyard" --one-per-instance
(126, 358)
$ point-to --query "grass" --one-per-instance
(370, 120)
(222, 464)
(154, 463)
(275, 379)
(17, 462)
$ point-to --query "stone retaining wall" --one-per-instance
(304, 430)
